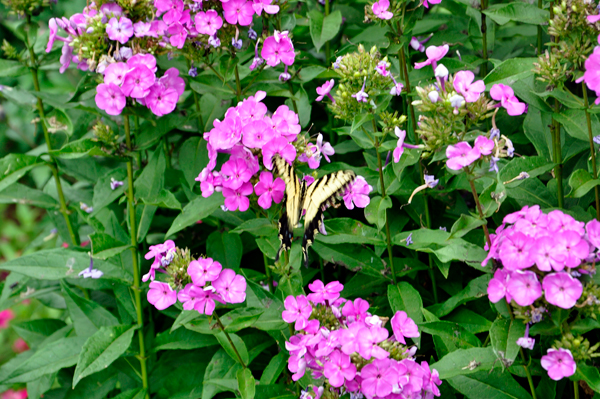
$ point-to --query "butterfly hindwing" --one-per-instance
(293, 196)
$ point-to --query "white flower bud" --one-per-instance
(434, 96)
(441, 71)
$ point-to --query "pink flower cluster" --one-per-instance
(592, 66)
(339, 340)
(136, 78)
(462, 154)
(251, 137)
(210, 283)
(552, 248)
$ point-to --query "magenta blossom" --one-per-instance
(434, 54)
(238, 199)
(464, 85)
(322, 293)
(562, 290)
(357, 193)
(339, 368)
(279, 146)
(378, 378)
(120, 29)
(547, 255)
(368, 340)
(325, 90)
(172, 80)
(515, 251)
(189, 295)
(161, 295)
(208, 23)
(110, 98)
(298, 310)
(161, 100)
(204, 270)
(497, 286)
(524, 287)
(426, 2)
(260, 5)
(461, 155)
(404, 326)
(593, 233)
(236, 173)
(138, 81)
(269, 190)
(399, 150)
(574, 247)
(506, 96)
(238, 12)
(115, 72)
(559, 363)
(146, 60)
(380, 9)
(484, 145)
(286, 123)
(225, 134)
(278, 48)
(205, 304)
(592, 71)
(230, 286)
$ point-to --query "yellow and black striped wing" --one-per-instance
(292, 201)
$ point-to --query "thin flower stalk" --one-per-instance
(592, 148)
(222, 327)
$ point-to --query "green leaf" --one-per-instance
(34, 332)
(239, 319)
(15, 166)
(48, 359)
(152, 131)
(87, 315)
(489, 385)
(152, 179)
(323, 28)
(464, 224)
(246, 384)
(225, 248)
(519, 12)
(257, 227)
(12, 69)
(452, 332)
(575, 123)
(359, 120)
(536, 129)
(239, 347)
(350, 231)
(303, 104)
(581, 183)
(198, 209)
(503, 336)
(193, 157)
(269, 246)
(104, 195)
(470, 321)
(589, 374)
(475, 289)
(274, 369)
(534, 166)
(164, 199)
(403, 297)
(102, 349)
(212, 108)
(532, 192)
(510, 71)
(465, 361)
(104, 246)
(61, 263)
(358, 259)
(135, 393)
(258, 297)
(375, 212)
(182, 338)
(79, 149)
(221, 368)
(20, 194)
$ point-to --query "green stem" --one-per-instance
(383, 195)
(292, 93)
(586, 103)
(198, 111)
(481, 215)
(165, 142)
(238, 84)
(322, 270)
(138, 155)
(411, 109)
(327, 48)
(268, 273)
(539, 31)
(234, 91)
(575, 389)
(525, 367)
(134, 254)
(53, 165)
(484, 37)
(557, 149)
(222, 327)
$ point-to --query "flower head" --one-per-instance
(357, 193)
(463, 84)
(524, 287)
(404, 326)
(559, 363)
(110, 98)
(161, 295)
(506, 96)
(434, 54)
(298, 310)
(562, 290)
(325, 90)
(269, 190)
(380, 9)
(461, 155)
(204, 270)
(120, 29)
(238, 12)
(361, 96)
(230, 286)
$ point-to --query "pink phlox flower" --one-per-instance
(461, 155)
(205, 303)
(297, 344)
(137, 82)
(513, 217)
(593, 18)
(592, 71)
(238, 12)
(325, 90)
(15, 394)
(212, 156)
(431, 379)
(464, 85)
(209, 182)
(66, 57)
(142, 29)
(120, 29)
(329, 344)
(339, 369)
(574, 247)
(434, 54)
(380, 9)
(298, 310)
(526, 342)
(497, 286)
(226, 133)
(161, 100)
(260, 5)
(163, 5)
(322, 292)
(171, 79)
(174, 12)
(208, 23)
(111, 10)
(269, 190)
(5, 317)
(398, 86)
(559, 221)
(378, 378)
(311, 155)
(158, 28)
(593, 233)
(399, 150)
(281, 146)
(204, 270)
(484, 145)
(357, 193)
(235, 173)
(238, 199)
(324, 148)
(115, 72)
(533, 224)
(348, 338)
(161, 295)
(361, 95)
(547, 255)
(53, 35)
(416, 44)
(559, 363)
(414, 374)
(241, 152)
(230, 286)
(381, 68)
(278, 48)
(524, 287)
(297, 365)
(562, 289)
(189, 295)
(110, 98)
(257, 133)
(291, 127)
(426, 2)
(355, 310)
(404, 326)
(506, 96)
(146, 60)
(368, 340)
(177, 35)
(515, 251)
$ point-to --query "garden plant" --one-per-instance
(312, 199)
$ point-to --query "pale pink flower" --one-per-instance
(339, 368)
(225, 134)
(238, 199)
(434, 54)
(380, 9)
(171, 79)
(119, 29)
(138, 81)
(562, 290)
(461, 155)
(325, 90)
(161, 295)
(269, 190)
(161, 100)
(256, 134)
(357, 193)
(297, 310)
(147, 60)
(204, 270)
(238, 12)
(281, 146)
(208, 23)
(559, 363)
(524, 287)
(497, 286)
(110, 98)
(189, 295)
(506, 96)
(322, 292)
(368, 340)
(404, 326)
(378, 378)
(286, 122)
(484, 145)
(260, 5)
(230, 286)
(464, 85)
(115, 72)
(278, 48)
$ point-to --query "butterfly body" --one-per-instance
(313, 199)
